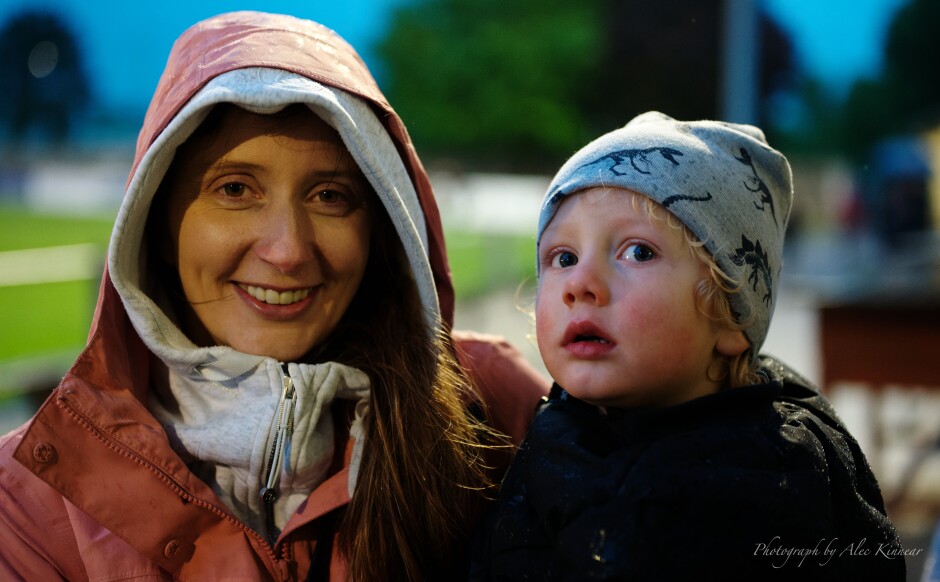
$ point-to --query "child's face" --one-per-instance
(616, 315)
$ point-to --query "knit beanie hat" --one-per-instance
(722, 180)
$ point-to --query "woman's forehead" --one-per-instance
(231, 128)
(295, 121)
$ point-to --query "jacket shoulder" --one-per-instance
(510, 387)
(36, 539)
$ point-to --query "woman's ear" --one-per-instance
(731, 343)
(158, 232)
(166, 249)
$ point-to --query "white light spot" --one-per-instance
(43, 59)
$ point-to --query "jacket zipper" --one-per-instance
(173, 485)
(283, 431)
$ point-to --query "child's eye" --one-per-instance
(639, 253)
(564, 260)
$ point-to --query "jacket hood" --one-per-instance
(264, 62)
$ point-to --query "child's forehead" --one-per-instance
(605, 210)
(613, 200)
(598, 194)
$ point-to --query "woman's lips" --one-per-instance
(274, 304)
(275, 297)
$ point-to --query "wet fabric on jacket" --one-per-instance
(726, 487)
(146, 461)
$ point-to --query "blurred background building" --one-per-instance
(497, 94)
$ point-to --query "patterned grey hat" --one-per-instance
(722, 180)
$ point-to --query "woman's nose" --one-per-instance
(286, 240)
(588, 282)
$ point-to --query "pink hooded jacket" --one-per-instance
(92, 489)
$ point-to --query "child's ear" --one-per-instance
(731, 343)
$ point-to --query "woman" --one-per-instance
(270, 389)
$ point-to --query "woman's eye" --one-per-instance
(639, 253)
(331, 197)
(564, 260)
(333, 202)
(234, 190)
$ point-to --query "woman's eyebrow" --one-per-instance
(352, 173)
(230, 164)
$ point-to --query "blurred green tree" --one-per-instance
(910, 60)
(516, 85)
(480, 79)
(43, 82)
(905, 97)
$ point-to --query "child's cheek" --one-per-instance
(658, 324)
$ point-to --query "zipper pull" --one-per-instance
(283, 431)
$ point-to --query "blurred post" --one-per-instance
(740, 48)
(932, 139)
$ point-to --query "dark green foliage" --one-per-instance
(516, 85)
(911, 53)
(905, 98)
(489, 79)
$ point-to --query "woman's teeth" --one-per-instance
(273, 297)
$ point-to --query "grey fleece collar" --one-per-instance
(225, 429)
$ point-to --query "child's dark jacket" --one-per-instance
(755, 483)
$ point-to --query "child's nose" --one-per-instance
(285, 238)
(589, 282)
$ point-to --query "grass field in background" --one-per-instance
(22, 228)
(481, 262)
(39, 319)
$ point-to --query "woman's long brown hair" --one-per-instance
(423, 470)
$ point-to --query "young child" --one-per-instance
(668, 449)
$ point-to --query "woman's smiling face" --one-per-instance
(269, 229)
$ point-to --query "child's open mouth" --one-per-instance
(590, 338)
(585, 339)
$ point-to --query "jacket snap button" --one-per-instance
(44, 453)
(269, 495)
(171, 548)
